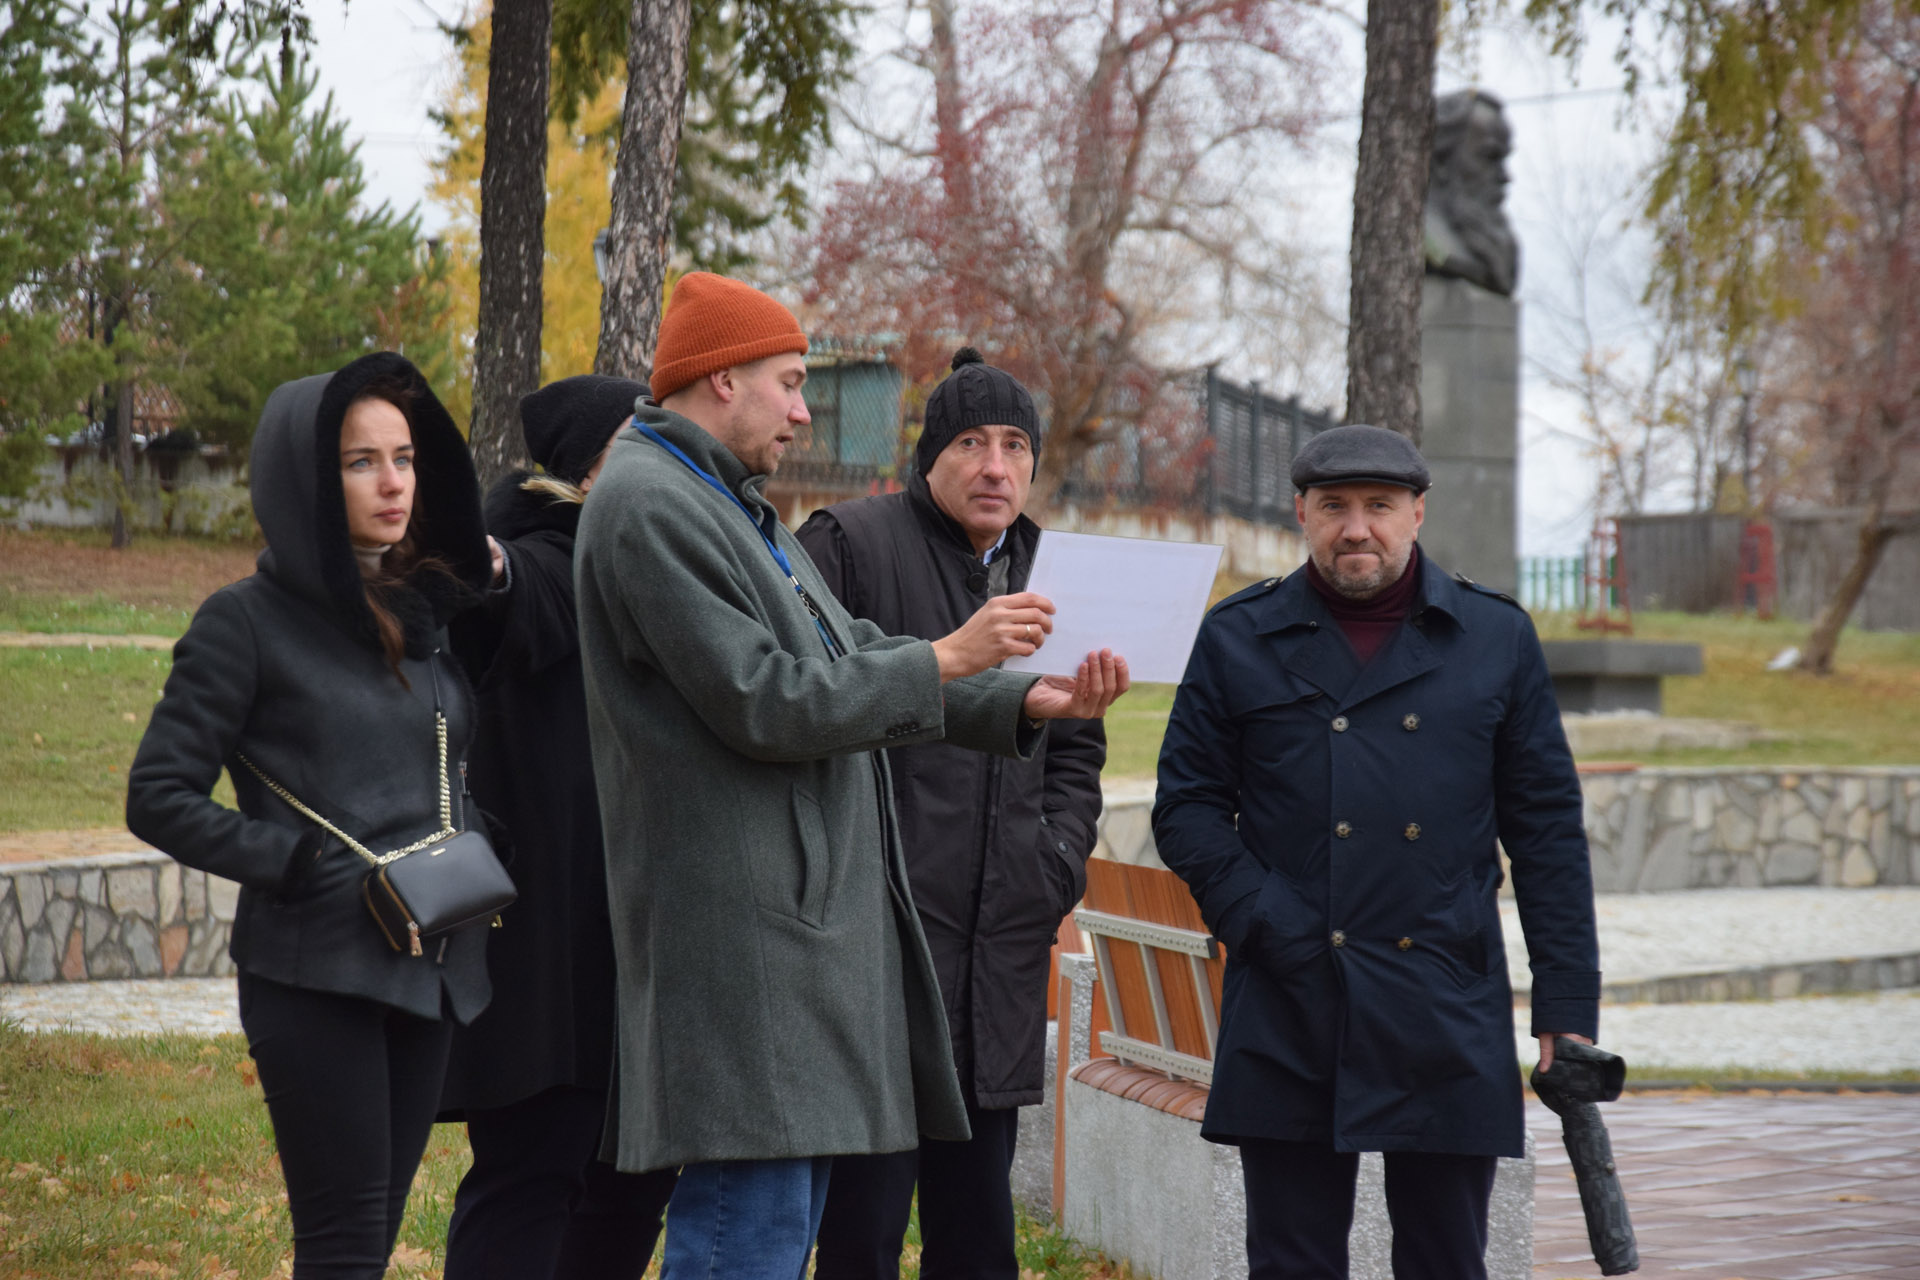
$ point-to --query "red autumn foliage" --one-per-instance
(1856, 338)
(1076, 194)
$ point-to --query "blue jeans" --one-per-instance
(745, 1219)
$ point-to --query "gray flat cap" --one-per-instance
(1360, 455)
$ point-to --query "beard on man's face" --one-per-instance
(1362, 584)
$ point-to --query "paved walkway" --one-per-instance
(82, 640)
(1767, 1187)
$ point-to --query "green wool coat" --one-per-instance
(776, 996)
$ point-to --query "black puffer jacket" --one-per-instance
(996, 848)
(551, 1020)
(286, 668)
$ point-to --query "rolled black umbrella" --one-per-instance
(1580, 1078)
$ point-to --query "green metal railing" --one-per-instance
(1553, 584)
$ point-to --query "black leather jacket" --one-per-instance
(285, 667)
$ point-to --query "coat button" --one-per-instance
(1339, 724)
(1339, 938)
(1410, 722)
(1405, 944)
(1412, 832)
(1343, 830)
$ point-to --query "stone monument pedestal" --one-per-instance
(1470, 429)
(1615, 675)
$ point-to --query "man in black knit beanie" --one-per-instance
(996, 849)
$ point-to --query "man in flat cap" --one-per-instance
(1350, 749)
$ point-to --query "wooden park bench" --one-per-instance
(1138, 1015)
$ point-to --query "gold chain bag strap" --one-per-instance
(437, 884)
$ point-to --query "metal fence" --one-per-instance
(853, 395)
(1223, 448)
(1553, 584)
(1207, 445)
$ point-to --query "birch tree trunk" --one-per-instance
(640, 235)
(513, 211)
(1389, 198)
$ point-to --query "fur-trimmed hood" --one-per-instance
(297, 498)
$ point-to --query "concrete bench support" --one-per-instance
(1141, 1185)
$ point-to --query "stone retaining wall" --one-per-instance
(145, 916)
(1656, 829)
(1662, 829)
(121, 915)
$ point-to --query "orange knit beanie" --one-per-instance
(714, 323)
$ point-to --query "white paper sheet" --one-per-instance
(1141, 598)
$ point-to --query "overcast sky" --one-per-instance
(1575, 161)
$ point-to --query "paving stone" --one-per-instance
(143, 948)
(170, 894)
(40, 965)
(97, 923)
(223, 898)
(130, 891)
(1802, 828)
(31, 891)
(1793, 863)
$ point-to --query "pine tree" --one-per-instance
(288, 273)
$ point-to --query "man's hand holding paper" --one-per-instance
(1136, 596)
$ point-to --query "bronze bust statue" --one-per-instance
(1467, 235)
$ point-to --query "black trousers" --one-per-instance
(537, 1205)
(351, 1087)
(966, 1207)
(1300, 1210)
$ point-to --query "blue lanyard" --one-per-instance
(779, 556)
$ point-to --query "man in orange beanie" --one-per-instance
(777, 1000)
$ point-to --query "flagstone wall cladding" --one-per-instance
(1661, 829)
(143, 915)
(123, 915)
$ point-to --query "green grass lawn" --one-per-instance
(79, 703)
(1866, 713)
(154, 1157)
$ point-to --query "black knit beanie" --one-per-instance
(567, 423)
(975, 394)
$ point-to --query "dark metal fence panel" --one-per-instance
(1230, 453)
(1689, 563)
(1815, 549)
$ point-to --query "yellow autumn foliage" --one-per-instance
(579, 203)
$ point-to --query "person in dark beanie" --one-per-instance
(996, 849)
(531, 1074)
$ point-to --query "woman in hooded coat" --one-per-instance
(323, 671)
(531, 1075)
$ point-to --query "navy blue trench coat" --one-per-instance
(1337, 824)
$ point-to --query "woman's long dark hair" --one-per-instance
(403, 563)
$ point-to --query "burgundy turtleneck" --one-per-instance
(1367, 624)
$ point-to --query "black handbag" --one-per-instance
(434, 886)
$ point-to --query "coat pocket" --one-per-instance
(1464, 936)
(810, 825)
(1066, 873)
